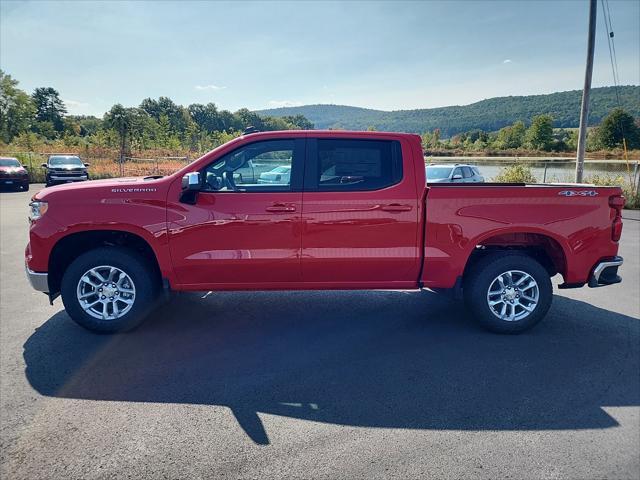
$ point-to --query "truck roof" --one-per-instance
(332, 133)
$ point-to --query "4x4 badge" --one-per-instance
(578, 193)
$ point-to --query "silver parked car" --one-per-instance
(457, 173)
(280, 175)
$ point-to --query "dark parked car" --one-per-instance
(13, 174)
(65, 168)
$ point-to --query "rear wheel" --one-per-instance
(509, 292)
(108, 290)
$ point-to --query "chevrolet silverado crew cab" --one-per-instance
(338, 210)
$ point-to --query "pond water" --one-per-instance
(557, 170)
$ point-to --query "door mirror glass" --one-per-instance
(191, 182)
(43, 165)
(457, 176)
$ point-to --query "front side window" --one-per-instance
(259, 166)
(467, 173)
(437, 173)
(344, 164)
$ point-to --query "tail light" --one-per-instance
(617, 203)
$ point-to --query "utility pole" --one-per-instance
(584, 110)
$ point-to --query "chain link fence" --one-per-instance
(101, 166)
(546, 170)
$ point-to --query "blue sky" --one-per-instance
(386, 55)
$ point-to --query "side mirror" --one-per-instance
(191, 185)
(191, 182)
(457, 177)
(87, 164)
(43, 165)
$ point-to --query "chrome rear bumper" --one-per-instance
(39, 281)
(606, 273)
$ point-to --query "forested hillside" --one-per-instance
(487, 115)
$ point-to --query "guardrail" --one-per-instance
(546, 169)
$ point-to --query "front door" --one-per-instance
(244, 230)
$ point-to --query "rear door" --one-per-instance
(360, 214)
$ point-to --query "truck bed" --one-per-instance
(573, 223)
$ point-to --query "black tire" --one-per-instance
(146, 288)
(480, 278)
(25, 187)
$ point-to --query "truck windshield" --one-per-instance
(9, 162)
(438, 172)
(65, 160)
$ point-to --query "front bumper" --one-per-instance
(39, 281)
(14, 180)
(606, 273)
(76, 178)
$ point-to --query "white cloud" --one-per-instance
(209, 87)
(76, 107)
(284, 103)
(508, 60)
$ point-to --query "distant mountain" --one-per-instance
(491, 114)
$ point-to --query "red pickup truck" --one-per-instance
(321, 210)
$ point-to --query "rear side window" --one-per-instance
(356, 165)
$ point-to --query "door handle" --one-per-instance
(279, 207)
(396, 207)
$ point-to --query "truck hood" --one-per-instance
(108, 187)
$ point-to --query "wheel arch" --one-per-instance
(72, 245)
(548, 250)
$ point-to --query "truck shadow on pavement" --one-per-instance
(371, 359)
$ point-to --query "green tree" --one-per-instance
(539, 135)
(206, 117)
(248, 118)
(616, 126)
(299, 122)
(165, 106)
(517, 173)
(164, 131)
(511, 136)
(16, 109)
(49, 107)
(120, 120)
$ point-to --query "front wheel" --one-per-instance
(108, 290)
(509, 292)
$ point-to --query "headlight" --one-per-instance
(37, 209)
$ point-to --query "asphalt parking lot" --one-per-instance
(318, 385)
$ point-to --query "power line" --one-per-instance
(606, 17)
